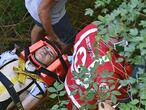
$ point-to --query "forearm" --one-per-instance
(105, 106)
(45, 17)
(46, 22)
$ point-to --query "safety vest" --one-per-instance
(56, 70)
(84, 54)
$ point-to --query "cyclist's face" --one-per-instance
(45, 55)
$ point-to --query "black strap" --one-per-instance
(20, 92)
(26, 53)
(9, 86)
(50, 74)
(31, 60)
(39, 87)
(59, 53)
(8, 63)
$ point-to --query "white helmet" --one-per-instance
(7, 56)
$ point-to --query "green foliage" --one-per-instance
(89, 11)
(57, 92)
(116, 18)
(127, 20)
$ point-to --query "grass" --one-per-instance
(16, 23)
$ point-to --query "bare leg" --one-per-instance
(22, 97)
(30, 102)
(32, 97)
(36, 34)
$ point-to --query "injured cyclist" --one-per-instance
(30, 87)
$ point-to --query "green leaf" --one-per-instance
(99, 3)
(114, 99)
(105, 10)
(143, 23)
(106, 38)
(119, 60)
(101, 18)
(60, 87)
(130, 47)
(133, 91)
(55, 107)
(109, 56)
(143, 102)
(143, 95)
(134, 3)
(132, 80)
(95, 85)
(124, 82)
(90, 95)
(52, 89)
(112, 87)
(111, 81)
(62, 93)
(56, 84)
(93, 106)
(142, 45)
(116, 93)
(97, 22)
(53, 96)
(135, 101)
(64, 102)
(63, 109)
(89, 12)
(134, 31)
(74, 92)
(144, 10)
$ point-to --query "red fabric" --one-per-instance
(84, 55)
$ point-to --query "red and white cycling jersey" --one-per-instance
(84, 54)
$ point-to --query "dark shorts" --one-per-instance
(136, 70)
(63, 29)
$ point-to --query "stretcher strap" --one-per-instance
(32, 61)
(26, 53)
(50, 74)
(39, 87)
(8, 63)
(9, 86)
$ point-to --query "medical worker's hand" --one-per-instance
(57, 41)
(105, 106)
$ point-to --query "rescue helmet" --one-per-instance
(47, 59)
(42, 53)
